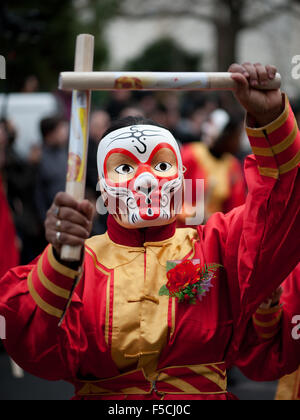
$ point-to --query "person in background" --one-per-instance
(9, 253)
(195, 110)
(99, 123)
(31, 84)
(3, 141)
(213, 160)
(132, 110)
(146, 100)
(119, 99)
(53, 166)
(20, 177)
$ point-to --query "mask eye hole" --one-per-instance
(163, 167)
(124, 169)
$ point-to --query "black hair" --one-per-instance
(49, 124)
(129, 121)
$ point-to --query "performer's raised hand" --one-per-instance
(68, 222)
(263, 105)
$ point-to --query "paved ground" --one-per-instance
(32, 388)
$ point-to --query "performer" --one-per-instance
(213, 160)
(159, 312)
(271, 348)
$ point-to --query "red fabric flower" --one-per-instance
(184, 274)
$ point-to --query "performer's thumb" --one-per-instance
(241, 81)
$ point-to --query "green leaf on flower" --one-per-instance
(164, 291)
(171, 265)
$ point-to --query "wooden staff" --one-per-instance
(79, 133)
(154, 81)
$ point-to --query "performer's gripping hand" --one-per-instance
(262, 105)
(68, 222)
(273, 300)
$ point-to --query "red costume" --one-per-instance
(9, 255)
(271, 348)
(120, 339)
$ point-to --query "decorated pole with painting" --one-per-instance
(79, 133)
(153, 81)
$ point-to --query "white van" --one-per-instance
(26, 110)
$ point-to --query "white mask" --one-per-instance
(141, 175)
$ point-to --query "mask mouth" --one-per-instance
(148, 203)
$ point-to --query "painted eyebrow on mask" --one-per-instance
(132, 134)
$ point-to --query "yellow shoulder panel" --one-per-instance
(112, 255)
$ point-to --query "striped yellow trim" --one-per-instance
(273, 126)
(107, 312)
(268, 310)
(255, 132)
(205, 371)
(222, 371)
(282, 119)
(53, 288)
(263, 151)
(102, 270)
(173, 316)
(267, 324)
(49, 309)
(268, 336)
(270, 172)
(285, 144)
(95, 391)
(278, 148)
(292, 164)
(178, 383)
(133, 391)
(61, 269)
(94, 387)
(91, 389)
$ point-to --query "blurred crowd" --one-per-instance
(208, 126)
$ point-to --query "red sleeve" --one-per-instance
(32, 302)
(260, 241)
(270, 244)
(270, 348)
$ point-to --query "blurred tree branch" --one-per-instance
(229, 17)
(38, 38)
(273, 12)
(165, 13)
